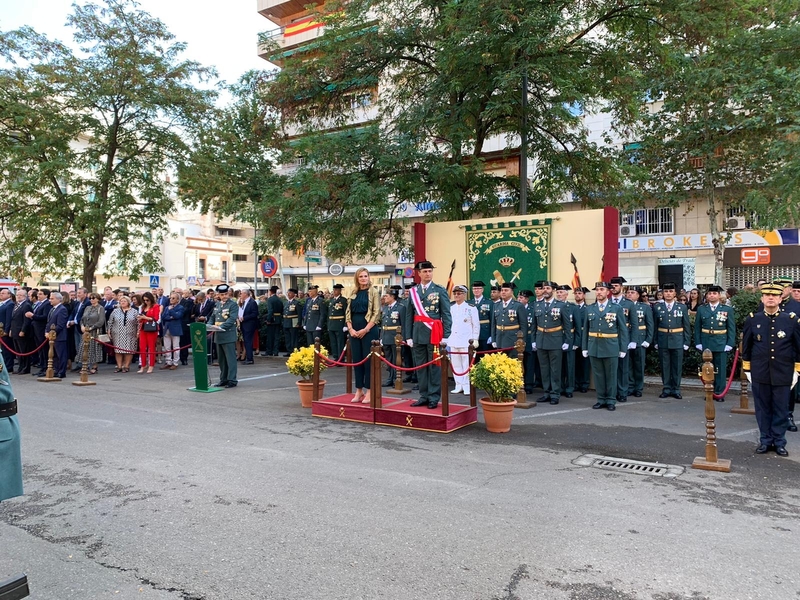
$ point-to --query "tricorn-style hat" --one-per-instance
(715, 288)
(527, 293)
(478, 283)
(564, 288)
(668, 286)
(619, 280)
(293, 290)
(338, 286)
(424, 264)
(508, 285)
(274, 289)
(601, 284)
(583, 289)
(222, 288)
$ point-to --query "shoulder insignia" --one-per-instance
(793, 315)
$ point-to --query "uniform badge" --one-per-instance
(758, 338)
(781, 334)
(314, 307)
(292, 307)
(512, 314)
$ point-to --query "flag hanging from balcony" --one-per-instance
(517, 252)
(300, 26)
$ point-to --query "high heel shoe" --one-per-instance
(357, 398)
(366, 400)
(149, 369)
(140, 370)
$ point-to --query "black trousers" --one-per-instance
(273, 339)
(185, 340)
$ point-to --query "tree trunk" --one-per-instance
(716, 237)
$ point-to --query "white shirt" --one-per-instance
(466, 325)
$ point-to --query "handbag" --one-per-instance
(150, 326)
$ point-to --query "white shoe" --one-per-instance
(466, 391)
(456, 391)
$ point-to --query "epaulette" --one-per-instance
(751, 315)
(792, 314)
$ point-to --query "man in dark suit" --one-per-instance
(187, 301)
(74, 323)
(274, 322)
(38, 317)
(6, 308)
(249, 323)
(21, 332)
(58, 317)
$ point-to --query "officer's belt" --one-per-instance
(487, 321)
(335, 318)
(549, 330)
(711, 331)
(642, 326)
(8, 410)
(507, 327)
(290, 317)
(392, 328)
(602, 335)
(662, 330)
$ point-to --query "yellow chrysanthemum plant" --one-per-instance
(301, 362)
(498, 375)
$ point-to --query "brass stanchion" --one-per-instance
(49, 376)
(87, 338)
(711, 462)
(473, 396)
(375, 374)
(398, 388)
(744, 400)
(444, 364)
(522, 397)
(348, 370)
(315, 375)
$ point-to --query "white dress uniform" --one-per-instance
(466, 326)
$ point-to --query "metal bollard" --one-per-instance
(710, 462)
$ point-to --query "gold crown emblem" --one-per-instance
(506, 261)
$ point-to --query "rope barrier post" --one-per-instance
(375, 374)
(348, 369)
(473, 394)
(87, 339)
(398, 389)
(49, 376)
(315, 376)
(522, 397)
(744, 400)
(444, 364)
(710, 462)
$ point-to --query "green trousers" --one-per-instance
(228, 367)
(605, 378)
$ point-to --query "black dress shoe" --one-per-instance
(622, 399)
(719, 399)
(664, 395)
(677, 396)
(543, 399)
(528, 390)
(611, 407)
(584, 390)
(221, 384)
(762, 449)
(415, 388)
(249, 362)
(792, 427)
(420, 402)
(184, 362)
(553, 400)
(598, 405)
(568, 395)
(263, 354)
(637, 394)
(40, 374)
(781, 451)
(433, 405)
(231, 384)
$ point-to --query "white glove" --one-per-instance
(585, 353)
(475, 344)
(319, 328)
(750, 377)
(645, 344)
(345, 329)
(445, 341)
(794, 379)
(632, 346)
(686, 348)
(574, 347)
(410, 343)
(533, 346)
(494, 344)
(699, 347)
(656, 346)
(565, 346)
(622, 354)
(728, 348)
(489, 340)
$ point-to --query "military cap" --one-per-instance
(222, 288)
(424, 264)
(408, 286)
(313, 287)
(478, 283)
(551, 284)
(274, 289)
(539, 284)
(564, 288)
(293, 290)
(495, 288)
(619, 280)
(460, 288)
(715, 288)
(526, 293)
(393, 293)
(601, 284)
(772, 289)
(796, 285)
(638, 289)
(784, 281)
(668, 286)
(395, 287)
(338, 286)
(509, 285)
(583, 289)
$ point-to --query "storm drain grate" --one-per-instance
(626, 465)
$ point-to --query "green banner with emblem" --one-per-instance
(517, 252)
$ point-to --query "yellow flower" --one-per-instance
(301, 362)
(499, 375)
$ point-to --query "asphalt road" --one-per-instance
(138, 488)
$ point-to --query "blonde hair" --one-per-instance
(356, 284)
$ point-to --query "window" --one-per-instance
(201, 268)
(228, 231)
(650, 221)
(225, 270)
(733, 212)
(240, 258)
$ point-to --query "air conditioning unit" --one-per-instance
(627, 230)
(736, 223)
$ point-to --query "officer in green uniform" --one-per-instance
(408, 355)
(538, 289)
(568, 359)
(605, 341)
(10, 456)
(226, 312)
(623, 373)
(582, 365)
(553, 337)
(715, 330)
(671, 322)
(315, 315)
(392, 320)
(292, 310)
(641, 322)
(509, 318)
(484, 306)
(337, 306)
(427, 317)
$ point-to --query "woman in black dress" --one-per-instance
(363, 317)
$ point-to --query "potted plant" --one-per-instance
(500, 376)
(301, 363)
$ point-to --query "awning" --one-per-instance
(639, 271)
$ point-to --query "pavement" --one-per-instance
(139, 488)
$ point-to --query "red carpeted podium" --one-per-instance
(397, 412)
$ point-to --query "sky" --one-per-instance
(218, 33)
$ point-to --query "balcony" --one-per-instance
(276, 10)
(289, 37)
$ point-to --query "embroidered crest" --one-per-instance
(781, 334)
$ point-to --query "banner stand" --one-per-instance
(197, 332)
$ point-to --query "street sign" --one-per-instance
(191, 280)
(314, 259)
(269, 266)
(201, 280)
(154, 281)
(409, 272)
(336, 269)
(313, 253)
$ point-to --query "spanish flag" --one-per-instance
(300, 26)
(576, 278)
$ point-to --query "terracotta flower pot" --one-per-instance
(498, 415)
(307, 391)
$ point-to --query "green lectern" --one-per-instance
(198, 333)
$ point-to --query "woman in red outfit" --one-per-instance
(149, 312)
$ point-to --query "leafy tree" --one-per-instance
(724, 132)
(449, 78)
(87, 139)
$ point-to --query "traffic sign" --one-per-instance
(269, 266)
(154, 281)
(191, 280)
(201, 280)
(314, 259)
(313, 253)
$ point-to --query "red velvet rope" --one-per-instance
(32, 352)
(126, 351)
(496, 350)
(469, 368)
(330, 361)
(730, 377)
(406, 369)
